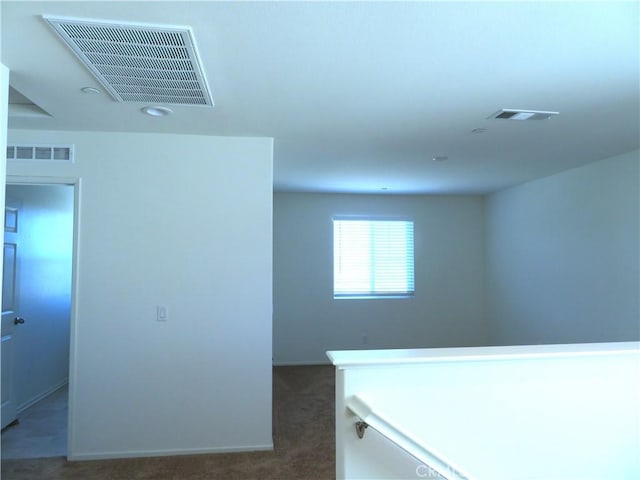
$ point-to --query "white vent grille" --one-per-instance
(55, 153)
(515, 114)
(138, 62)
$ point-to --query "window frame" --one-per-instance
(409, 293)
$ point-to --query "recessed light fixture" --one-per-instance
(155, 111)
(440, 158)
(90, 90)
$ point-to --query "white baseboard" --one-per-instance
(167, 453)
(41, 396)
(301, 363)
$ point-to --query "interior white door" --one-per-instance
(10, 319)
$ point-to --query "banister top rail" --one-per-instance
(354, 358)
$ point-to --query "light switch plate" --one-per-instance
(163, 313)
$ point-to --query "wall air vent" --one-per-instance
(514, 114)
(138, 62)
(50, 153)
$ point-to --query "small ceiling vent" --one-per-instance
(513, 114)
(138, 62)
(54, 153)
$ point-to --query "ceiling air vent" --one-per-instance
(138, 62)
(54, 153)
(513, 114)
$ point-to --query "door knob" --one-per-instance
(18, 321)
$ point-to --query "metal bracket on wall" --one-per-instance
(360, 428)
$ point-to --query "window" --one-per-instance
(372, 258)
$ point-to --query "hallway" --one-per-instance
(42, 431)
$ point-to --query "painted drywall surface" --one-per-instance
(580, 401)
(45, 247)
(563, 257)
(4, 111)
(448, 307)
(8, 415)
(184, 222)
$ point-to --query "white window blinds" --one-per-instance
(372, 258)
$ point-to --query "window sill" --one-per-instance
(372, 297)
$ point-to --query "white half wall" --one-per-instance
(448, 308)
(183, 222)
(563, 256)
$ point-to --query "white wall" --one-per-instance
(45, 247)
(185, 222)
(448, 308)
(563, 256)
(8, 412)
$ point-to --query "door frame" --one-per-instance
(75, 183)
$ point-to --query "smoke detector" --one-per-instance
(147, 63)
(516, 114)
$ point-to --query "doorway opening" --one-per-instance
(36, 317)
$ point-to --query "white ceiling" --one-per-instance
(360, 96)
